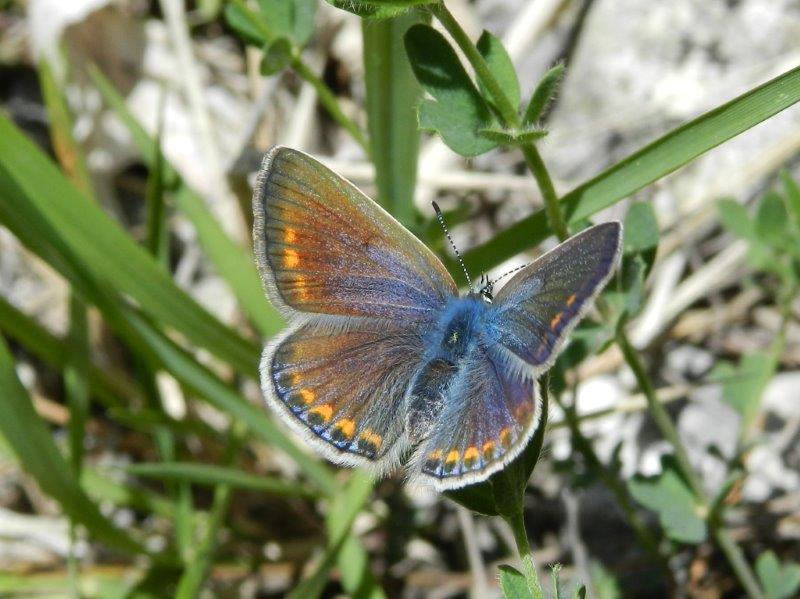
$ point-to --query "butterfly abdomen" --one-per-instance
(426, 400)
(449, 344)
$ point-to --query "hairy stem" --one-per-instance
(517, 523)
(551, 205)
(737, 562)
(662, 419)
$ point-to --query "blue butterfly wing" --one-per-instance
(342, 387)
(489, 415)
(323, 247)
(540, 305)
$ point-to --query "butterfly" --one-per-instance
(382, 361)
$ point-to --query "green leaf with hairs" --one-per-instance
(499, 63)
(543, 94)
(457, 111)
(513, 584)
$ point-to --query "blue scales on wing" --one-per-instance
(540, 305)
(487, 418)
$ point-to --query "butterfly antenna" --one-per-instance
(510, 272)
(440, 217)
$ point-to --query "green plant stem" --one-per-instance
(726, 544)
(552, 207)
(660, 415)
(329, 101)
(508, 113)
(517, 523)
(196, 570)
(774, 353)
(392, 96)
(737, 561)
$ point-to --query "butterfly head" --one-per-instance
(486, 290)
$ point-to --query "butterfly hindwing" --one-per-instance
(490, 414)
(342, 387)
(324, 247)
(540, 305)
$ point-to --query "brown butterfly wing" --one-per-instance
(323, 247)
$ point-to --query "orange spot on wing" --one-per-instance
(556, 320)
(435, 454)
(300, 288)
(307, 395)
(470, 455)
(571, 300)
(323, 412)
(488, 449)
(451, 457)
(290, 258)
(505, 437)
(522, 410)
(372, 438)
(347, 427)
(290, 236)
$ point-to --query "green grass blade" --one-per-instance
(192, 578)
(32, 442)
(345, 507)
(70, 157)
(392, 97)
(99, 581)
(76, 382)
(649, 164)
(103, 488)
(209, 475)
(157, 243)
(33, 192)
(157, 231)
(55, 352)
(148, 420)
(233, 263)
(202, 559)
(66, 149)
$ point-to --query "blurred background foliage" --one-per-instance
(136, 454)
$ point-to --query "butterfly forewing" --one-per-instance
(541, 304)
(324, 247)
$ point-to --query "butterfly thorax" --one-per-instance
(458, 333)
